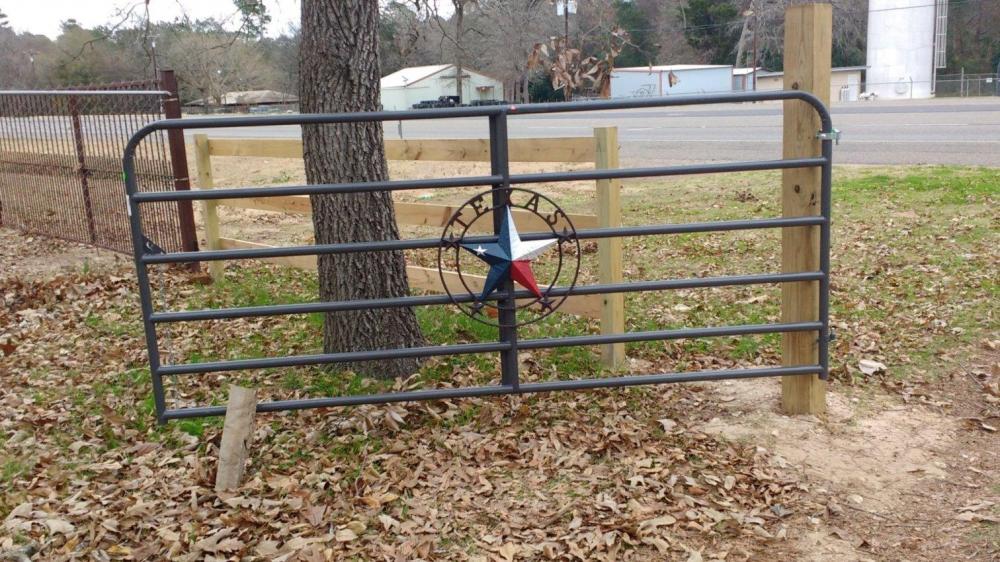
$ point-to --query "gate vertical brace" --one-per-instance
(81, 160)
(142, 276)
(507, 307)
(178, 163)
(826, 209)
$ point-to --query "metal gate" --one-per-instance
(60, 167)
(506, 297)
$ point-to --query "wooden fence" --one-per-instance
(601, 149)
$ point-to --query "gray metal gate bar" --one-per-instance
(424, 243)
(500, 179)
(429, 300)
(471, 348)
(500, 390)
(400, 185)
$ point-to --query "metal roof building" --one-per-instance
(673, 79)
(404, 88)
(250, 97)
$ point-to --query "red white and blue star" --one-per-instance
(510, 255)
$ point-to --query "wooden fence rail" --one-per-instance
(601, 149)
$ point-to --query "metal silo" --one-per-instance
(901, 37)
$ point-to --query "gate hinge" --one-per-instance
(150, 247)
(833, 135)
(831, 334)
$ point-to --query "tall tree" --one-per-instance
(512, 24)
(641, 48)
(708, 28)
(339, 66)
(401, 34)
(455, 36)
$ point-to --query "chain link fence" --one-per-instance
(61, 170)
(967, 85)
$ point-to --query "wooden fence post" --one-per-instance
(179, 163)
(609, 250)
(209, 209)
(808, 37)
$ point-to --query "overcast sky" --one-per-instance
(44, 16)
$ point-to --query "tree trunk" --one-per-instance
(741, 44)
(339, 71)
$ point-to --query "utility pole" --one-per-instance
(152, 45)
(756, 31)
(566, 6)
(31, 58)
(566, 22)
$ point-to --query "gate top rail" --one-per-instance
(483, 111)
(147, 254)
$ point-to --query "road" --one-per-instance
(941, 131)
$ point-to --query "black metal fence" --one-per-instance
(60, 166)
(500, 179)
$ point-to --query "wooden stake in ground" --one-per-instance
(237, 434)
(808, 39)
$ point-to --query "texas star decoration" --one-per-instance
(510, 255)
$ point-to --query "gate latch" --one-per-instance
(151, 247)
(833, 135)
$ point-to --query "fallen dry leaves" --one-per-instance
(585, 476)
(607, 475)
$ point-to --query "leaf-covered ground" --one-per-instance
(904, 467)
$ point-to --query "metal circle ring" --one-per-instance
(466, 219)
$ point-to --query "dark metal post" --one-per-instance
(507, 306)
(142, 276)
(825, 206)
(178, 162)
(74, 113)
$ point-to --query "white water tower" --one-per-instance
(906, 41)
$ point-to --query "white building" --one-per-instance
(743, 78)
(845, 82)
(404, 88)
(902, 35)
(666, 80)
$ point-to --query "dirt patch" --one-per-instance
(39, 257)
(890, 479)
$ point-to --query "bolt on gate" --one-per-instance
(505, 298)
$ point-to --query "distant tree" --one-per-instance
(282, 54)
(85, 57)
(254, 17)
(973, 36)
(673, 45)
(213, 63)
(850, 23)
(401, 33)
(709, 28)
(510, 25)
(454, 30)
(641, 49)
(4, 24)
